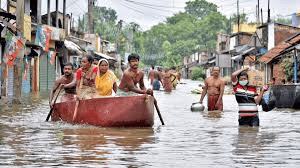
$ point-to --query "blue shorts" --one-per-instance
(249, 121)
(156, 84)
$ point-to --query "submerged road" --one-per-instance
(188, 139)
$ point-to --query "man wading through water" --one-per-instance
(214, 87)
(247, 98)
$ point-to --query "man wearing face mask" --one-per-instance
(246, 97)
(214, 87)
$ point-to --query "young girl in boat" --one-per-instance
(106, 80)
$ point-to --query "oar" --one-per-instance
(78, 96)
(158, 112)
(55, 97)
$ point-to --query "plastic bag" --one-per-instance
(267, 101)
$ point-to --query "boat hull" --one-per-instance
(129, 111)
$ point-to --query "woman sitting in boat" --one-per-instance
(85, 79)
(105, 79)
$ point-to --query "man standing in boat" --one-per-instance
(85, 79)
(68, 77)
(131, 77)
(214, 87)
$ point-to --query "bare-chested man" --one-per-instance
(151, 75)
(131, 77)
(157, 79)
(214, 87)
(70, 93)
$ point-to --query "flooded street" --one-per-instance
(188, 139)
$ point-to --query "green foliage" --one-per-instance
(289, 68)
(200, 8)
(167, 43)
(198, 74)
(287, 21)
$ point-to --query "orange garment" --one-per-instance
(104, 83)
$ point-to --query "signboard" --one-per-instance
(27, 27)
(223, 60)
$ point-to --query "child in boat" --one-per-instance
(131, 77)
(105, 79)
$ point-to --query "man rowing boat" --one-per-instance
(131, 77)
(70, 93)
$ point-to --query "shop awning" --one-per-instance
(73, 48)
(105, 56)
(212, 61)
(237, 57)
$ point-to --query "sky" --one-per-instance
(150, 12)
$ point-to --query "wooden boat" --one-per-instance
(129, 111)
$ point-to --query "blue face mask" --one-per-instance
(243, 82)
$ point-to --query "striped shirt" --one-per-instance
(245, 100)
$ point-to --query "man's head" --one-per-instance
(68, 68)
(87, 61)
(243, 78)
(133, 60)
(215, 71)
(95, 62)
(152, 66)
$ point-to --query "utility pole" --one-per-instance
(15, 71)
(90, 16)
(56, 13)
(48, 13)
(269, 19)
(257, 11)
(238, 22)
(64, 15)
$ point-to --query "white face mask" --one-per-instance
(243, 82)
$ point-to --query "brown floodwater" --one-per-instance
(188, 139)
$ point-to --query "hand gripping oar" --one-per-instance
(52, 104)
(158, 112)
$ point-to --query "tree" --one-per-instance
(287, 21)
(200, 8)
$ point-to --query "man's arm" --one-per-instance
(204, 91)
(70, 85)
(54, 88)
(222, 87)
(141, 82)
(130, 84)
(236, 73)
(259, 97)
(115, 87)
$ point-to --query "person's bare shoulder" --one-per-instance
(126, 73)
(142, 73)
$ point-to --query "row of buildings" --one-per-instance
(35, 47)
(271, 47)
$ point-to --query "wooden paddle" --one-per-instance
(78, 96)
(55, 97)
(158, 112)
